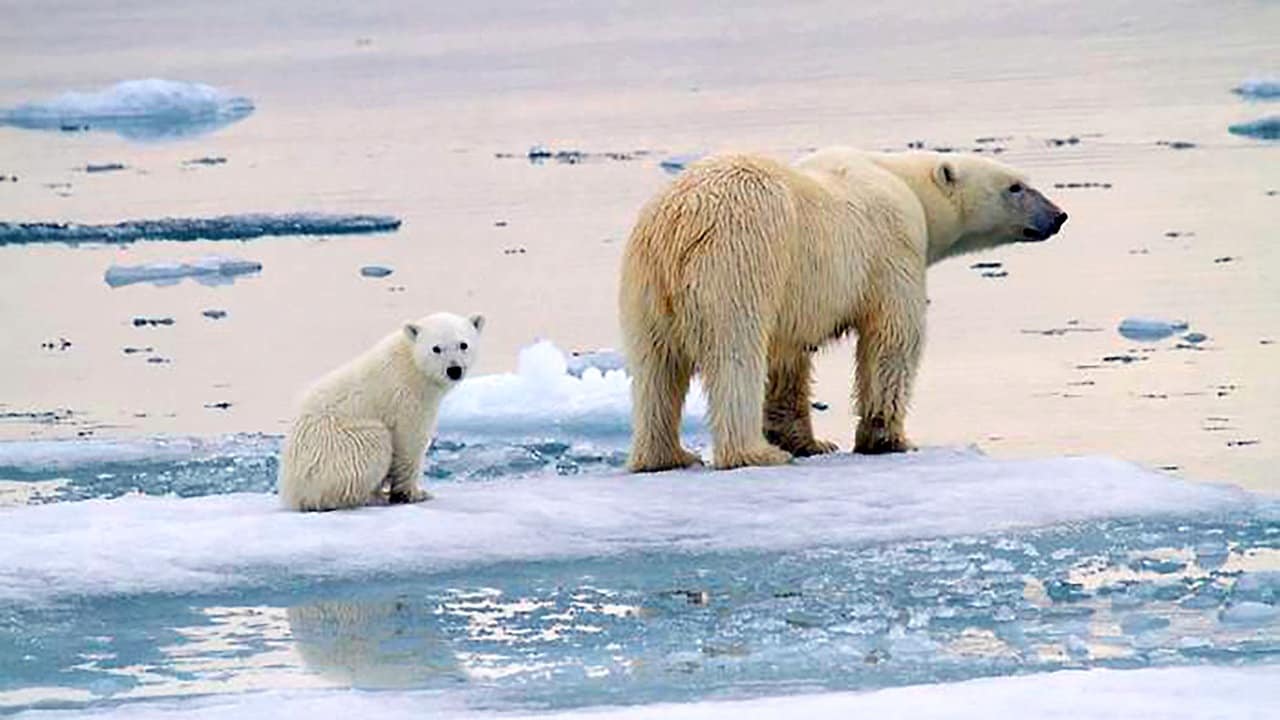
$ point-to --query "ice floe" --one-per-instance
(210, 270)
(138, 544)
(1177, 693)
(224, 227)
(150, 109)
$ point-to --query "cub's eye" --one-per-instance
(435, 349)
(462, 346)
(1015, 188)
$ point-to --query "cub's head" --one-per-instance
(444, 345)
(994, 204)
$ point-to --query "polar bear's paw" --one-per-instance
(763, 454)
(411, 495)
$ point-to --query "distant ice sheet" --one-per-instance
(1179, 693)
(224, 227)
(151, 109)
(210, 270)
(138, 544)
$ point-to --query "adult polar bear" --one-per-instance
(744, 266)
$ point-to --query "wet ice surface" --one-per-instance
(540, 577)
(211, 270)
(225, 227)
(144, 110)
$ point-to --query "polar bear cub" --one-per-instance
(366, 425)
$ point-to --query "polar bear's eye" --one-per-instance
(435, 349)
(1015, 188)
(462, 346)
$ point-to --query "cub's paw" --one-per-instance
(883, 444)
(414, 494)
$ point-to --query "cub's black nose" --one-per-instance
(454, 372)
(1059, 221)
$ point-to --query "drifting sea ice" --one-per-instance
(145, 110)
(211, 270)
(224, 227)
(1145, 329)
(1258, 89)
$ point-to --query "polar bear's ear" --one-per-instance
(477, 321)
(945, 174)
(411, 331)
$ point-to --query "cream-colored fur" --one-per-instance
(744, 266)
(368, 423)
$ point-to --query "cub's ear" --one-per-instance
(477, 321)
(411, 331)
(945, 174)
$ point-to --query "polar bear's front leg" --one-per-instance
(406, 468)
(889, 345)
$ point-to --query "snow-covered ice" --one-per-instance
(150, 109)
(165, 544)
(225, 227)
(1179, 693)
(602, 360)
(545, 396)
(209, 270)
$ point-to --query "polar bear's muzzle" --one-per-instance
(1047, 220)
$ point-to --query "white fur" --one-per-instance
(368, 423)
(743, 266)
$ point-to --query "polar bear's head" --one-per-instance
(444, 345)
(993, 204)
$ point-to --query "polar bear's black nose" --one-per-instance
(1058, 222)
(454, 372)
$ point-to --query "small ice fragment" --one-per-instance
(1267, 128)
(217, 268)
(1249, 612)
(602, 360)
(1258, 89)
(1149, 329)
(1076, 647)
(676, 163)
(214, 314)
(103, 167)
(1195, 337)
(211, 160)
(375, 271)
(151, 322)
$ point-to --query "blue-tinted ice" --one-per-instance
(1260, 89)
(225, 227)
(143, 110)
(1267, 128)
(212, 270)
(1149, 329)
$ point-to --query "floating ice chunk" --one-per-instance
(1249, 612)
(375, 271)
(224, 227)
(1258, 89)
(210, 270)
(1267, 128)
(1150, 329)
(602, 360)
(137, 544)
(545, 396)
(677, 163)
(1177, 693)
(151, 109)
